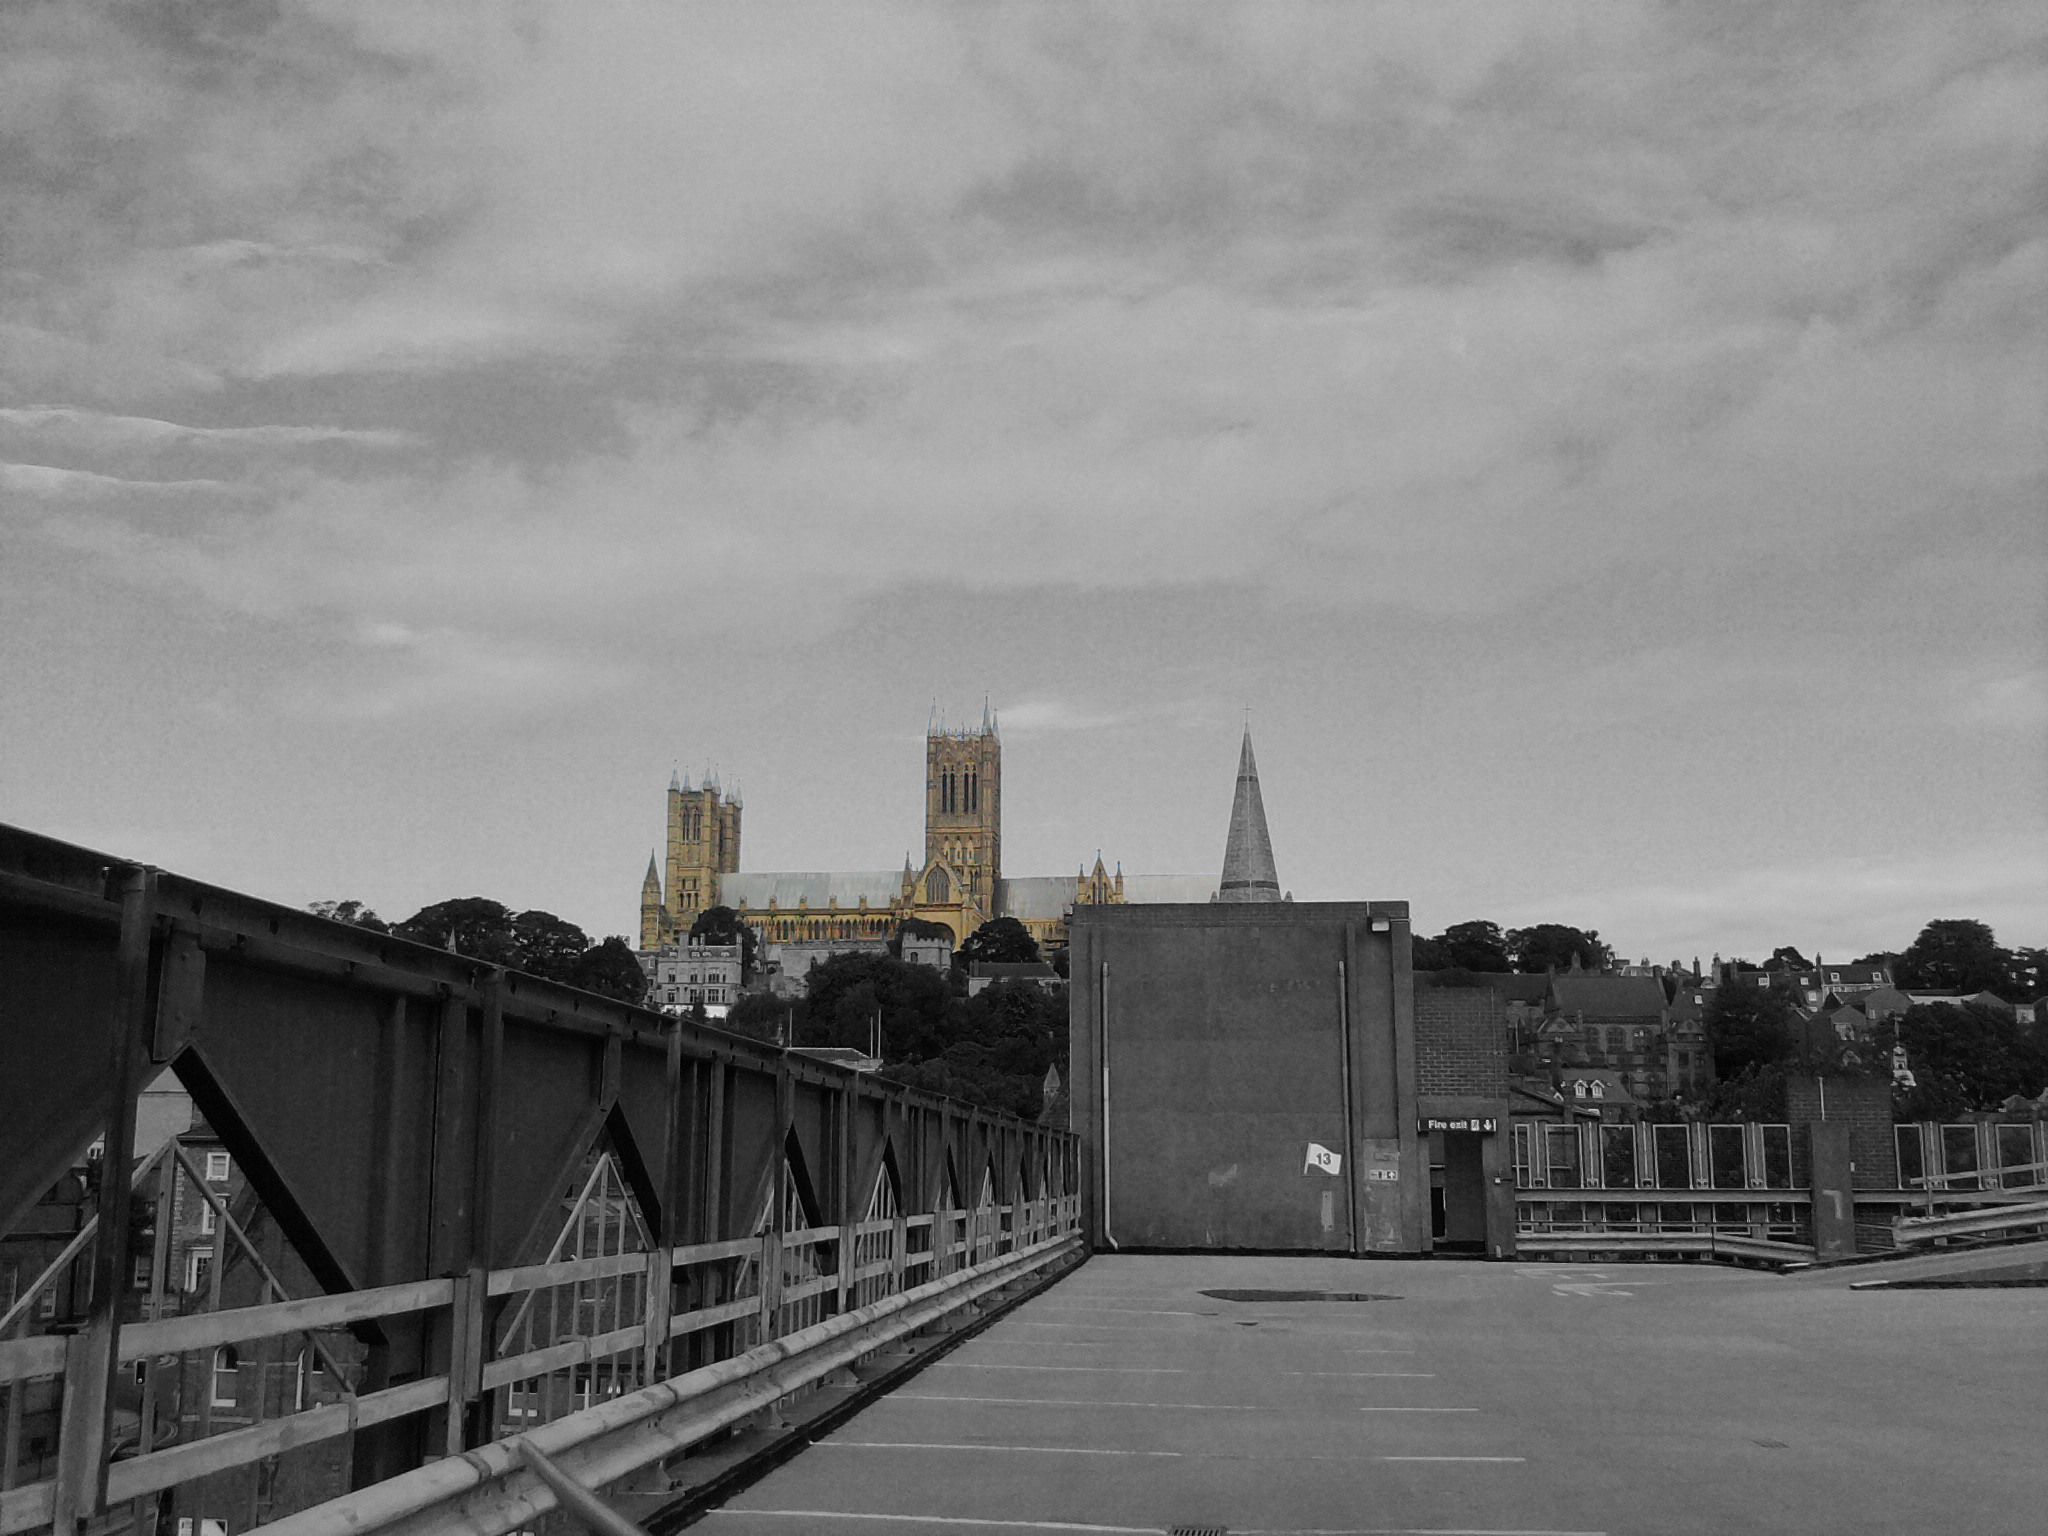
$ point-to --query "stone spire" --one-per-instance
(1248, 872)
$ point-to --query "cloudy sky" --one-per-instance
(1602, 444)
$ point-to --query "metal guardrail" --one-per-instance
(494, 1489)
(966, 1248)
(1708, 1244)
(1996, 1221)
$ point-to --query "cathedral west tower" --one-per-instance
(703, 843)
(963, 806)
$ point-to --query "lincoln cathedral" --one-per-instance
(960, 882)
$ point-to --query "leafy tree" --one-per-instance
(722, 925)
(470, 925)
(1975, 1053)
(966, 1071)
(1887, 958)
(999, 941)
(1756, 1093)
(843, 993)
(1475, 946)
(1554, 946)
(1024, 1027)
(761, 1016)
(352, 912)
(1787, 959)
(611, 970)
(546, 945)
(1748, 1027)
(1953, 954)
(1426, 954)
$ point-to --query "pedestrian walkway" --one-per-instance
(1469, 1397)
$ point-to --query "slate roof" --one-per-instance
(818, 888)
(1612, 1089)
(1519, 986)
(1248, 872)
(1039, 898)
(1610, 997)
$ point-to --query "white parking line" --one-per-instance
(1133, 1530)
(1122, 1370)
(1126, 1311)
(1084, 1402)
(1080, 1450)
(1000, 1525)
(1077, 1402)
(940, 1445)
(1376, 1375)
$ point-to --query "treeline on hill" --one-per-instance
(1483, 946)
(1966, 1055)
(991, 1049)
(538, 943)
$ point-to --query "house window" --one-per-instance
(216, 1167)
(1763, 981)
(198, 1268)
(208, 1218)
(227, 1368)
(1562, 1142)
(1599, 1089)
(138, 1277)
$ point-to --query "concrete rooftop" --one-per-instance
(1489, 1398)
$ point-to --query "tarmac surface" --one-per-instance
(1488, 1398)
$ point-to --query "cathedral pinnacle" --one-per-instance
(1248, 871)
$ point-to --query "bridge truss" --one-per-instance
(466, 1205)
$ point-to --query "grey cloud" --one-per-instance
(99, 430)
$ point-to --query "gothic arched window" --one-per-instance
(938, 890)
(226, 1376)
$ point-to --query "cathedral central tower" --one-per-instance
(963, 805)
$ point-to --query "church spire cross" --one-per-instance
(1248, 871)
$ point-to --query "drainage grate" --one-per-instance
(1196, 1530)
(1300, 1296)
(1772, 1445)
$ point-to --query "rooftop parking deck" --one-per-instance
(1509, 1397)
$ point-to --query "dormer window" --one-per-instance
(1579, 1088)
(1599, 1089)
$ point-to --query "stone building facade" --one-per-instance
(960, 883)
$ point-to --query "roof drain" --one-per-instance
(1102, 1032)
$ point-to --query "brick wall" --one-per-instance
(1866, 1103)
(1460, 1040)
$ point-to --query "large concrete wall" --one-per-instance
(1234, 1036)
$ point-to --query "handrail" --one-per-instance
(1943, 1180)
(609, 1440)
(1977, 1223)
